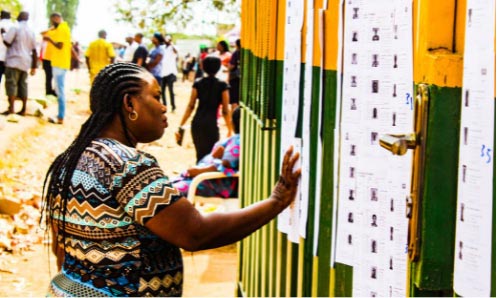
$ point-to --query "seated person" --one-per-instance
(223, 158)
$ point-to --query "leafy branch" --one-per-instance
(152, 15)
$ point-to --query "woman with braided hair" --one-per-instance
(117, 224)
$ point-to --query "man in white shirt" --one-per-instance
(5, 24)
(21, 57)
(169, 71)
(130, 49)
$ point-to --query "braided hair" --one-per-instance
(106, 100)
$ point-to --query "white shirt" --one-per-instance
(129, 51)
(169, 61)
(23, 42)
(5, 24)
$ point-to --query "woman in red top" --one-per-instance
(224, 53)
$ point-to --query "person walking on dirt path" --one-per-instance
(21, 56)
(99, 54)
(234, 77)
(75, 56)
(210, 92)
(141, 53)
(156, 56)
(59, 47)
(169, 72)
(117, 223)
(47, 69)
(5, 24)
(199, 62)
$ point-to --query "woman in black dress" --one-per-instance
(211, 93)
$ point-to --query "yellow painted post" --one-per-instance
(265, 245)
(253, 239)
(271, 137)
(273, 30)
(248, 181)
(289, 261)
(331, 42)
(280, 44)
(315, 272)
(265, 144)
(251, 193)
(459, 36)
(261, 234)
(244, 244)
(317, 50)
(281, 239)
(331, 291)
(272, 226)
(435, 59)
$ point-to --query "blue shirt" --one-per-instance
(156, 71)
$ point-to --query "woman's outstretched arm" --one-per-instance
(182, 225)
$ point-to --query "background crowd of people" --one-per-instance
(20, 54)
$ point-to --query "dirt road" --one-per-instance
(26, 150)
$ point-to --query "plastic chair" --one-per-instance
(228, 204)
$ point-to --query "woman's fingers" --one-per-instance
(289, 162)
(292, 161)
(297, 174)
(287, 186)
(289, 175)
(286, 160)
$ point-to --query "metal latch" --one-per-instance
(399, 145)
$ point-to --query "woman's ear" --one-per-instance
(127, 103)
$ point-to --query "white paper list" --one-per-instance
(472, 272)
(289, 220)
(377, 92)
(306, 119)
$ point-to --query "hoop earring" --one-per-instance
(133, 116)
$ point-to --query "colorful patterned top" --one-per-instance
(224, 188)
(115, 190)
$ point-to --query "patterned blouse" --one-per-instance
(115, 190)
(224, 188)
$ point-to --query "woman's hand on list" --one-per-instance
(285, 190)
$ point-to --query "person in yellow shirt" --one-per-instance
(99, 54)
(59, 53)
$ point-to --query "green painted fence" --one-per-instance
(270, 265)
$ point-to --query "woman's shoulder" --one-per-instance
(118, 157)
(116, 152)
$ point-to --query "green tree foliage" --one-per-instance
(12, 6)
(67, 8)
(153, 15)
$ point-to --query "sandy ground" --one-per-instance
(28, 147)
